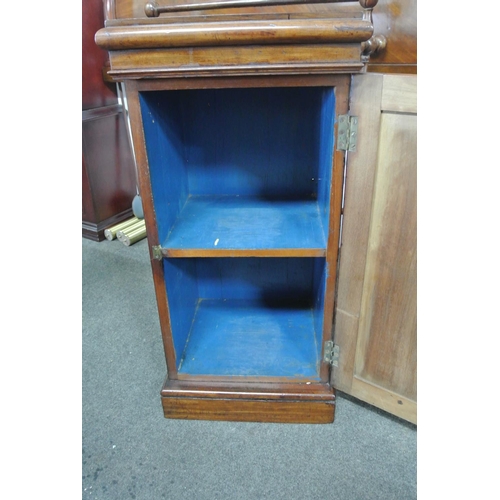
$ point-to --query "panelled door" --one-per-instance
(376, 315)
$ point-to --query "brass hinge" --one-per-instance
(347, 133)
(157, 252)
(332, 353)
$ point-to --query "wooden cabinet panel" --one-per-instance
(108, 169)
(376, 309)
(95, 92)
(109, 180)
(387, 330)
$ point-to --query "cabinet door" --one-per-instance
(376, 316)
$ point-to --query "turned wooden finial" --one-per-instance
(375, 43)
(368, 4)
(151, 9)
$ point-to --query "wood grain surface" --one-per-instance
(249, 411)
(243, 61)
(394, 19)
(360, 178)
(257, 402)
(375, 324)
(386, 353)
(246, 32)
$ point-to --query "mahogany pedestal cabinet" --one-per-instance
(240, 128)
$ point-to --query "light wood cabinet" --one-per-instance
(376, 314)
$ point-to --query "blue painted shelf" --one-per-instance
(252, 338)
(229, 225)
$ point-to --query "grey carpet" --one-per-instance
(131, 451)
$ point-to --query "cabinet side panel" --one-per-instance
(182, 291)
(319, 289)
(326, 143)
(335, 208)
(163, 134)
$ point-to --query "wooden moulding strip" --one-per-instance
(236, 61)
(261, 32)
(314, 391)
(118, 75)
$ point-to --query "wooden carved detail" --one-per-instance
(368, 4)
(372, 46)
(376, 43)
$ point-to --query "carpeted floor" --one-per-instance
(131, 451)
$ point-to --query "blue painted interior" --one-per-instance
(243, 169)
(242, 222)
(326, 149)
(267, 143)
(165, 144)
(248, 338)
(183, 296)
(211, 301)
(320, 274)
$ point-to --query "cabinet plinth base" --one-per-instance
(282, 403)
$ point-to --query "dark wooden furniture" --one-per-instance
(108, 170)
(237, 123)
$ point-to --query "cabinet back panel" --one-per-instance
(245, 278)
(258, 142)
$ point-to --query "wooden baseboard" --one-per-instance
(250, 403)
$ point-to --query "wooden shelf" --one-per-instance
(252, 338)
(223, 226)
